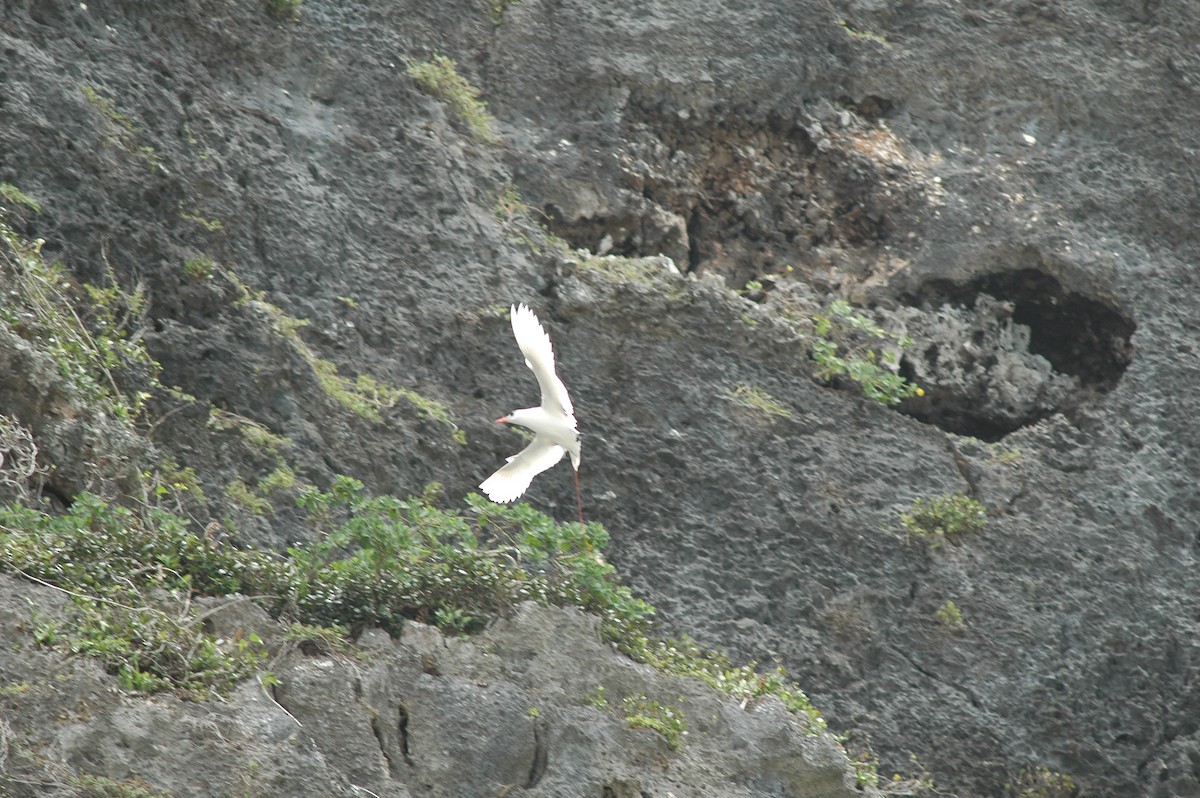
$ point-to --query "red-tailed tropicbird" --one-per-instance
(553, 424)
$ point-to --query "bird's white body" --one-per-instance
(553, 423)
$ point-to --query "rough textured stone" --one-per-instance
(909, 157)
(423, 715)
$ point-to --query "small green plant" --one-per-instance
(757, 399)
(1041, 782)
(169, 481)
(646, 713)
(15, 195)
(436, 411)
(121, 129)
(349, 302)
(864, 35)
(240, 493)
(364, 396)
(1007, 456)
(439, 77)
(321, 640)
(211, 225)
(284, 10)
(92, 333)
(251, 431)
(846, 345)
(534, 712)
(496, 9)
(520, 221)
(282, 478)
(89, 786)
(941, 518)
(682, 657)
(920, 782)
(866, 770)
(598, 698)
(639, 271)
(950, 616)
(200, 268)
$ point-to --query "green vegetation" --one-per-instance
(129, 580)
(13, 194)
(941, 518)
(92, 333)
(864, 35)
(1041, 782)
(88, 786)
(496, 9)
(364, 396)
(597, 699)
(1006, 456)
(240, 493)
(919, 782)
(120, 128)
(520, 221)
(284, 10)
(951, 616)
(682, 657)
(211, 225)
(642, 271)
(439, 77)
(435, 410)
(866, 770)
(282, 478)
(375, 561)
(200, 268)
(757, 399)
(646, 713)
(848, 346)
(254, 433)
(332, 640)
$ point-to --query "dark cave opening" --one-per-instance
(1080, 336)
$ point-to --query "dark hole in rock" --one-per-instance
(1009, 349)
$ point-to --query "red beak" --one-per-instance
(503, 420)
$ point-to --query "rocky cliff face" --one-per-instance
(1010, 184)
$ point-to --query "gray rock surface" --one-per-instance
(423, 715)
(912, 158)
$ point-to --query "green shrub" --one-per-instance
(1041, 782)
(92, 333)
(439, 77)
(200, 268)
(375, 561)
(940, 518)
(755, 398)
(646, 713)
(496, 9)
(950, 616)
(15, 195)
(129, 580)
(848, 346)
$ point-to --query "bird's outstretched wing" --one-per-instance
(539, 356)
(513, 478)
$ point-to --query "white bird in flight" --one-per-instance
(553, 424)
